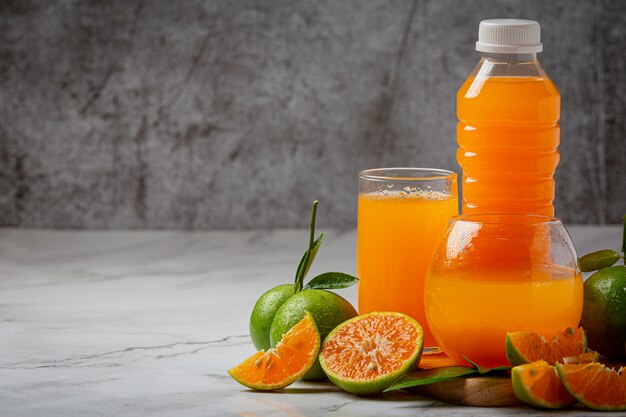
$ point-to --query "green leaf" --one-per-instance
(598, 260)
(309, 255)
(299, 275)
(313, 254)
(431, 376)
(331, 281)
(484, 370)
(305, 263)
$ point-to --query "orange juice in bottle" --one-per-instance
(506, 264)
(508, 130)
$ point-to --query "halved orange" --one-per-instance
(527, 347)
(595, 385)
(276, 368)
(367, 354)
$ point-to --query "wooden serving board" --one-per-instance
(481, 391)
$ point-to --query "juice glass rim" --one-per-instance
(506, 219)
(411, 174)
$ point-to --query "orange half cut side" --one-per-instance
(368, 353)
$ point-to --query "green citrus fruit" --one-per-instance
(367, 354)
(263, 313)
(328, 310)
(604, 311)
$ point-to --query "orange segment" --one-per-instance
(366, 354)
(595, 385)
(538, 384)
(527, 347)
(276, 368)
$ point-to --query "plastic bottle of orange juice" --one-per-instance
(508, 130)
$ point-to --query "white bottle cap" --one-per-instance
(509, 36)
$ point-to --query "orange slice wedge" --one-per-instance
(595, 385)
(277, 368)
(527, 347)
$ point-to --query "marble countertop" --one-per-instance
(147, 323)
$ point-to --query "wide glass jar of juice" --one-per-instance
(403, 213)
(497, 273)
(508, 132)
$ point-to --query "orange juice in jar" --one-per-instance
(403, 213)
(492, 275)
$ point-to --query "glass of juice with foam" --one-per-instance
(403, 213)
(497, 273)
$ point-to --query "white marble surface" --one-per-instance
(147, 323)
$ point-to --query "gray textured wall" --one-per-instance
(236, 114)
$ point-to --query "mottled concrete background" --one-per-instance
(236, 114)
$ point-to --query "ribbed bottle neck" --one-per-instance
(508, 65)
(498, 58)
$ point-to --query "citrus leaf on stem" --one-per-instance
(331, 281)
(313, 253)
(485, 370)
(305, 263)
(299, 275)
(431, 376)
(309, 255)
(597, 260)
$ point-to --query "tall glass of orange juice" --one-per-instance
(403, 212)
(496, 273)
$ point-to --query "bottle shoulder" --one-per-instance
(506, 100)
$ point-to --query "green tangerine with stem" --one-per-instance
(281, 307)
